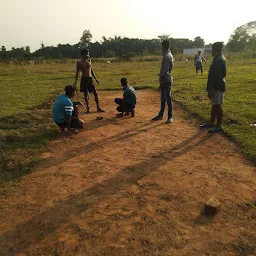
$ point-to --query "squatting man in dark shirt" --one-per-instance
(128, 103)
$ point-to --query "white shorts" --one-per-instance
(217, 98)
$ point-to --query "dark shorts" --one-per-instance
(86, 84)
(199, 65)
(74, 123)
(124, 106)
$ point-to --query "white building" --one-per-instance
(194, 51)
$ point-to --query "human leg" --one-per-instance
(86, 99)
(168, 99)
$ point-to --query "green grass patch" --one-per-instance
(29, 91)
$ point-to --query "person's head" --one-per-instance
(199, 52)
(165, 45)
(217, 48)
(124, 82)
(85, 54)
(70, 91)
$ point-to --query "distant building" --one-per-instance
(194, 51)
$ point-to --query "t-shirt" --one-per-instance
(217, 74)
(62, 107)
(166, 66)
(130, 95)
(199, 58)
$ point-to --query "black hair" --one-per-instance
(217, 46)
(69, 89)
(165, 44)
(84, 52)
(123, 81)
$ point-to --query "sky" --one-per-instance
(30, 22)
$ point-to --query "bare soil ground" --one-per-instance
(133, 187)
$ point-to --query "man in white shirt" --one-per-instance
(199, 58)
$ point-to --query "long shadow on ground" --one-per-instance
(36, 229)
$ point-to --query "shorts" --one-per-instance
(86, 84)
(217, 98)
(75, 123)
(199, 65)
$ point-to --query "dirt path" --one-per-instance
(133, 187)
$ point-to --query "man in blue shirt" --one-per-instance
(128, 103)
(64, 113)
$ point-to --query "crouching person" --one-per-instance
(128, 103)
(65, 113)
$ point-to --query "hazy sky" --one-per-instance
(28, 22)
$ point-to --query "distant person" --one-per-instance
(86, 85)
(65, 113)
(199, 58)
(216, 87)
(128, 102)
(165, 81)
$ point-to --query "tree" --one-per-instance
(27, 50)
(198, 42)
(244, 38)
(3, 53)
(164, 37)
(86, 38)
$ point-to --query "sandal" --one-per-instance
(215, 130)
(206, 125)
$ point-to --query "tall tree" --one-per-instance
(164, 37)
(27, 50)
(3, 53)
(85, 39)
(243, 38)
(199, 42)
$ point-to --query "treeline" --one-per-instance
(242, 40)
(117, 46)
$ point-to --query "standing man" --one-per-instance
(216, 87)
(198, 62)
(128, 103)
(86, 85)
(165, 81)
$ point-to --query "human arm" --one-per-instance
(216, 76)
(68, 113)
(203, 58)
(93, 74)
(68, 122)
(77, 73)
(76, 103)
(166, 68)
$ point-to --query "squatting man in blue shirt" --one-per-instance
(65, 112)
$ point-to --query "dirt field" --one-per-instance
(133, 187)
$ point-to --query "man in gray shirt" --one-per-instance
(165, 81)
